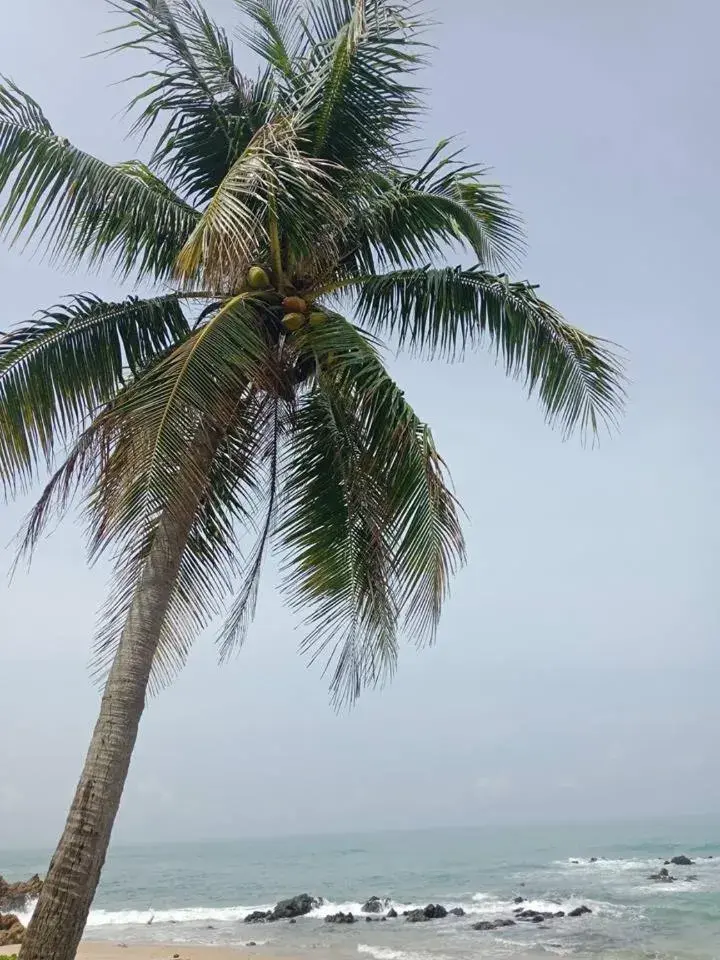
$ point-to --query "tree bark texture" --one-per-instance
(61, 913)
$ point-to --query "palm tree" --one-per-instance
(239, 400)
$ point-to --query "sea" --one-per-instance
(199, 893)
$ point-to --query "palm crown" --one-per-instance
(242, 397)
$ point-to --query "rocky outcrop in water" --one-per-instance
(493, 924)
(11, 930)
(15, 896)
(258, 916)
(662, 876)
(294, 907)
(340, 918)
(433, 911)
(580, 911)
(682, 861)
(375, 905)
(457, 912)
(392, 913)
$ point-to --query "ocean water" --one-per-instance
(200, 892)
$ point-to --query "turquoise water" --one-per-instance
(199, 893)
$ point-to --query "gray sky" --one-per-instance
(576, 675)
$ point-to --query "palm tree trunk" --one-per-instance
(59, 919)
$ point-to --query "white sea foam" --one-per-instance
(387, 953)
(193, 915)
(329, 907)
(607, 865)
(487, 905)
(481, 904)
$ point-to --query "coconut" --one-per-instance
(257, 278)
(294, 305)
(317, 318)
(293, 321)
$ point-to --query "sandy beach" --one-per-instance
(158, 951)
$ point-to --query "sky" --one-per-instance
(577, 666)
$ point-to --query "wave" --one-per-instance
(388, 953)
(486, 904)
(481, 904)
(603, 864)
(149, 916)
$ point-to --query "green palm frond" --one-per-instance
(57, 369)
(368, 526)
(272, 189)
(404, 219)
(242, 613)
(577, 377)
(213, 488)
(275, 34)
(186, 441)
(77, 207)
(359, 103)
(208, 110)
(337, 555)
(484, 219)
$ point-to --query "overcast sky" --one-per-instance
(576, 674)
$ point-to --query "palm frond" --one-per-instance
(274, 34)
(57, 369)
(271, 181)
(398, 220)
(210, 111)
(369, 528)
(484, 219)
(242, 613)
(186, 441)
(578, 378)
(209, 493)
(358, 100)
(77, 207)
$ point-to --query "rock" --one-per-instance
(251, 943)
(593, 859)
(292, 920)
(529, 916)
(258, 916)
(375, 905)
(457, 912)
(294, 907)
(682, 861)
(415, 916)
(560, 913)
(15, 896)
(392, 913)
(341, 918)
(690, 878)
(505, 922)
(11, 930)
(519, 900)
(434, 911)
(580, 911)
(663, 876)
(484, 925)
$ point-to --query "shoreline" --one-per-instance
(104, 950)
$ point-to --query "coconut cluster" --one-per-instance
(296, 311)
